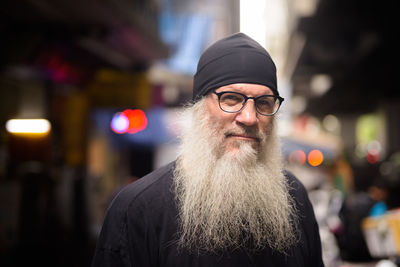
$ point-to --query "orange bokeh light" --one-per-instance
(315, 157)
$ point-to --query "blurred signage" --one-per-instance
(28, 126)
(382, 234)
(129, 121)
(370, 137)
(187, 35)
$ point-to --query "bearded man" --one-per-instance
(226, 200)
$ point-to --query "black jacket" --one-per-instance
(141, 224)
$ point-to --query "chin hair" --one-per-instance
(231, 200)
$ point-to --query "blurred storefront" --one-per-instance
(105, 78)
(341, 70)
(62, 61)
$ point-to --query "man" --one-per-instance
(226, 200)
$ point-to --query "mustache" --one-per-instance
(245, 131)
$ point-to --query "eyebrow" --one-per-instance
(240, 90)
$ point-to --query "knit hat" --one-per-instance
(234, 59)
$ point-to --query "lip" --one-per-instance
(244, 137)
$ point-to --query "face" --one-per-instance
(233, 195)
(243, 126)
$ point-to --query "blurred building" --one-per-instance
(342, 72)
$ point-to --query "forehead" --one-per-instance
(247, 89)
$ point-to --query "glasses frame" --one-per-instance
(281, 99)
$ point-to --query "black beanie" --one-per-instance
(234, 59)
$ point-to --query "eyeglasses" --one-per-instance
(232, 102)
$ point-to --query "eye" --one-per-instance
(265, 101)
(266, 104)
(231, 98)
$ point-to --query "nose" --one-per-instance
(248, 114)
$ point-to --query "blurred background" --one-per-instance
(89, 92)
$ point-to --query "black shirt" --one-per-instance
(141, 225)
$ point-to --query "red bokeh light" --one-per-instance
(297, 156)
(137, 120)
(372, 156)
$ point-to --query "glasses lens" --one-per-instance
(231, 102)
(267, 105)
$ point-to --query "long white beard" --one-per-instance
(231, 200)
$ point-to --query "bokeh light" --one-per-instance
(129, 121)
(315, 157)
(372, 156)
(137, 120)
(119, 123)
(297, 157)
(28, 126)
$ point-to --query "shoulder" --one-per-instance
(135, 201)
(295, 185)
(129, 220)
(297, 190)
(310, 242)
(151, 185)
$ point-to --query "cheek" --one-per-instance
(218, 117)
(226, 118)
(220, 122)
(266, 125)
